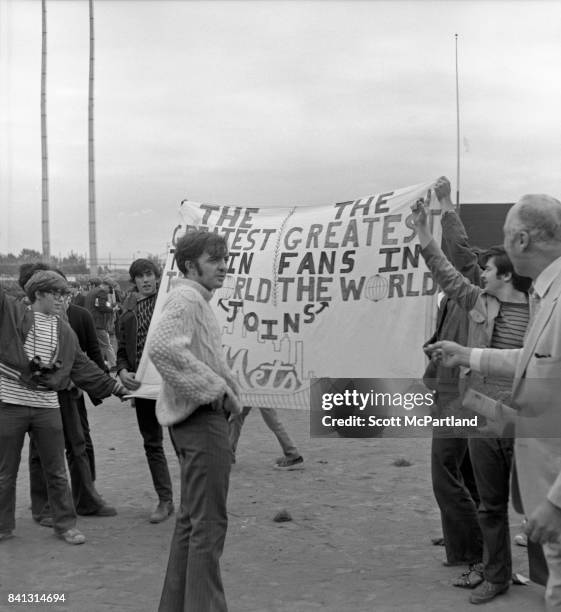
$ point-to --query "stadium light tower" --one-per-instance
(91, 158)
(45, 232)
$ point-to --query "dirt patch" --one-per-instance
(358, 541)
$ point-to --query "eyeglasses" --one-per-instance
(57, 295)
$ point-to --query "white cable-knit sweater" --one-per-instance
(186, 348)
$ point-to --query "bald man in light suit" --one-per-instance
(532, 239)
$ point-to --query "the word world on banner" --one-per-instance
(314, 291)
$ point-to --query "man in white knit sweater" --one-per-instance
(198, 394)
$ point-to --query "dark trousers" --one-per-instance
(539, 572)
(83, 413)
(456, 495)
(152, 435)
(84, 494)
(193, 582)
(45, 426)
(492, 462)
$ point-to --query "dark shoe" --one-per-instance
(487, 591)
(44, 521)
(437, 541)
(104, 511)
(161, 513)
(6, 535)
(72, 536)
(471, 578)
(287, 463)
(460, 563)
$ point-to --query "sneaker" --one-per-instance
(488, 591)
(289, 463)
(162, 512)
(72, 536)
(521, 539)
(6, 535)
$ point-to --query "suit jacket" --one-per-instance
(452, 321)
(536, 393)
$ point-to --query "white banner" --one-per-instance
(317, 291)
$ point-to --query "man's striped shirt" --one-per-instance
(510, 325)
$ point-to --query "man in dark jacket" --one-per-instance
(452, 473)
(102, 309)
(39, 356)
(136, 314)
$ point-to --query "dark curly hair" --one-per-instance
(504, 266)
(196, 242)
(140, 266)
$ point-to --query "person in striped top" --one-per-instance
(40, 355)
(499, 315)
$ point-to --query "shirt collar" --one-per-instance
(178, 282)
(546, 277)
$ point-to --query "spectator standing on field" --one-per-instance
(39, 355)
(100, 305)
(134, 321)
(452, 476)
(198, 394)
(77, 439)
(499, 315)
(291, 459)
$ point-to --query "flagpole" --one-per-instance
(457, 129)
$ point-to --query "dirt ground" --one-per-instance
(359, 540)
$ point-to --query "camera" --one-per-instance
(38, 368)
(32, 376)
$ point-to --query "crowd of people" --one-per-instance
(61, 339)
(497, 331)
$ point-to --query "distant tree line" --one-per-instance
(70, 264)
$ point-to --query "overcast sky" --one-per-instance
(268, 103)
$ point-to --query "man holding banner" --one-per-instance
(451, 470)
(134, 322)
(532, 239)
(198, 394)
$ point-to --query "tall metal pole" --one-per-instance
(91, 158)
(46, 244)
(457, 128)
